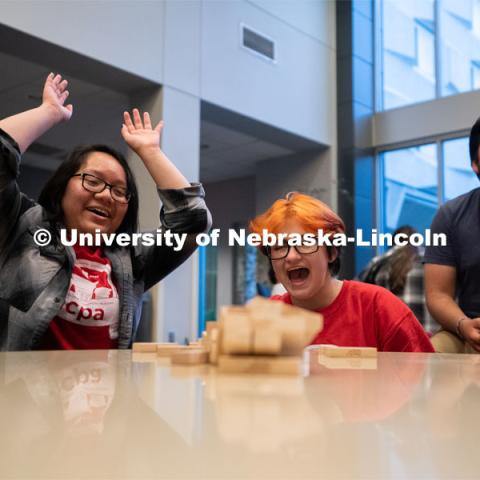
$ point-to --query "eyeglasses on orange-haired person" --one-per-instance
(355, 314)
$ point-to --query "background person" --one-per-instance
(452, 272)
(355, 314)
(400, 270)
(57, 297)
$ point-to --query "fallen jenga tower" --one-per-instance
(262, 337)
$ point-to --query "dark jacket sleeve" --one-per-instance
(12, 202)
(183, 212)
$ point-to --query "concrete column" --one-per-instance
(175, 299)
(177, 307)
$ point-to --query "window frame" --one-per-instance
(378, 41)
(438, 140)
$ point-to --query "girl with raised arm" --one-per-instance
(54, 296)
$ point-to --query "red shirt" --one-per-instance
(365, 315)
(89, 317)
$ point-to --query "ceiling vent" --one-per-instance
(258, 44)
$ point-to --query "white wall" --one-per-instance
(308, 173)
(442, 116)
(194, 46)
(125, 34)
(297, 93)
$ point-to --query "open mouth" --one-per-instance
(298, 274)
(99, 212)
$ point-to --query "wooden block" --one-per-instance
(211, 324)
(351, 352)
(294, 337)
(237, 332)
(319, 349)
(267, 340)
(214, 345)
(298, 326)
(311, 322)
(204, 341)
(348, 363)
(193, 356)
(168, 349)
(144, 347)
(260, 364)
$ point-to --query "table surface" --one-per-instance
(108, 414)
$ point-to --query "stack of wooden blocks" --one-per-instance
(263, 336)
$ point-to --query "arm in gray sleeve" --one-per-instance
(184, 212)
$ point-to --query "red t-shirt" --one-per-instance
(365, 315)
(89, 317)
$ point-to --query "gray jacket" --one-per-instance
(34, 280)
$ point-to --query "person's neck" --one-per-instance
(324, 298)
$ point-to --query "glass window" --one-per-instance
(425, 51)
(408, 52)
(408, 49)
(458, 176)
(476, 18)
(409, 187)
(459, 45)
(475, 69)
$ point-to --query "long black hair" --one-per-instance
(52, 193)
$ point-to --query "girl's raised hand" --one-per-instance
(54, 96)
(139, 135)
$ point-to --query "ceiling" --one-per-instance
(224, 152)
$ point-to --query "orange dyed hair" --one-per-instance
(309, 212)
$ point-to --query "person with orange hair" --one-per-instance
(355, 314)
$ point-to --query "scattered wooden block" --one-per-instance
(211, 324)
(144, 347)
(193, 356)
(351, 352)
(348, 363)
(167, 349)
(319, 349)
(214, 345)
(204, 341)
(237, 331)
(297, 325)
(267, 340)
(260, 364)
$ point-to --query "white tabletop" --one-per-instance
(98, 414)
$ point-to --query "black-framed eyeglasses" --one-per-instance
(93, 184)
(279, 252)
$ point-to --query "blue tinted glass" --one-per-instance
(459, 45)
(408, 52)
(458, 176)
(409, 187)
